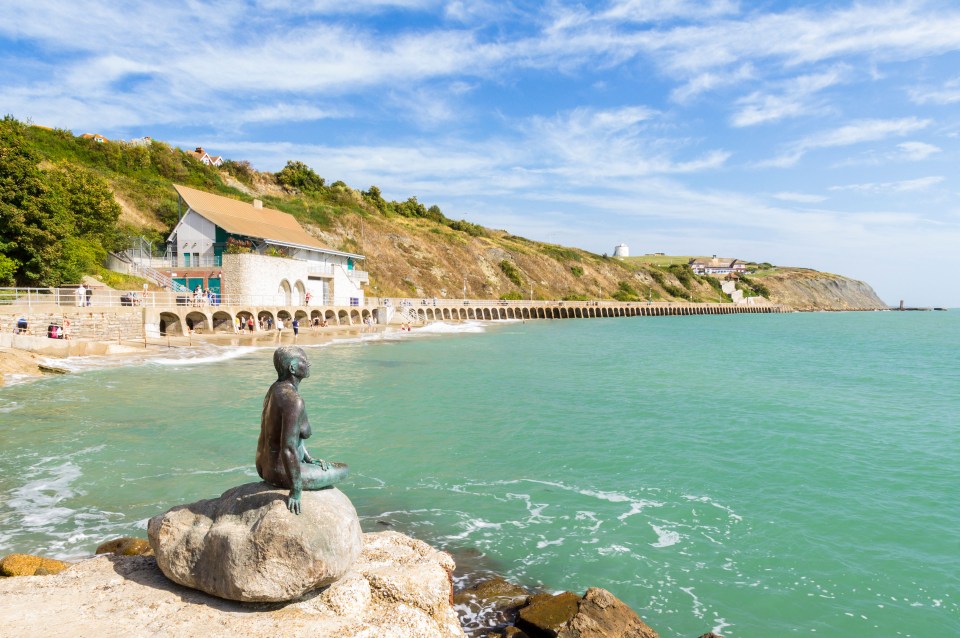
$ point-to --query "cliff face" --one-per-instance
(811, 290)
(418, 258)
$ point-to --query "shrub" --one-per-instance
(513, 295)
(577, 271)
(511, 272)
(298, 176)
(625, 292)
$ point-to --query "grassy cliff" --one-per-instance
(411, 249)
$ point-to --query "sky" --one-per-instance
(821, 134)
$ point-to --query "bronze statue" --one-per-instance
(282, 458)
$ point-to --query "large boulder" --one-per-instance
(247, 546)
(599, 614)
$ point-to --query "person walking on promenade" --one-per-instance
(81, 295)
(88, 293)
(296, 328)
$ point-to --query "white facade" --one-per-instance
(278, 281)
(195, 236)
(621, 250)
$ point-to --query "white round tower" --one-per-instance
(621, 251)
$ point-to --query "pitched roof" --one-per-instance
(715, 262)
(242, 218)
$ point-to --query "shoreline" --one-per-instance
(27, 358)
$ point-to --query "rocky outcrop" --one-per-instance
(246, 545)
(597, 614)
(398, 587)
(126, 546)
(30, 565)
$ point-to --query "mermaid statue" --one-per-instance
(282, 458)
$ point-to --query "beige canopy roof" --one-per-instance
(245, 219)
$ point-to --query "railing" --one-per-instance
(48, 298)
(157, 277)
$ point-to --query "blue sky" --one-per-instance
(820, 134)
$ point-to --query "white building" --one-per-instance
(263, 255)
(621, 250)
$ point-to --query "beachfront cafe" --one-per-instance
(244, 252)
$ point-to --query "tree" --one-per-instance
(56, 225)
(299, 176)
(375, 198)
(28, 229)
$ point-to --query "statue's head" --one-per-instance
(291, 361)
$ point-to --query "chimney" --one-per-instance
(257, 203)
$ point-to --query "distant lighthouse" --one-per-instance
(621, 251)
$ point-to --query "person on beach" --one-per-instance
(250, 323)
(296, 328)
(282, 458)
(81, 295)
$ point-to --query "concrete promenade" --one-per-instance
(154, 317)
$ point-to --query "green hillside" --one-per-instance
(66, 200)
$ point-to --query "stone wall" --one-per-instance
(121, 324)
(261, 276)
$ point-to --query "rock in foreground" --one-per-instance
(246, 545)
(399, 587)
(599, 614)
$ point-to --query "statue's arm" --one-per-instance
(292, 408)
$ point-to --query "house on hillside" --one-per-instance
(96, 137)
(206, 158)
(261, 255)
(717, 265)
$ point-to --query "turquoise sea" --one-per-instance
(755, 475)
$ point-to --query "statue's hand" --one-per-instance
(293, 503)
(324, 465)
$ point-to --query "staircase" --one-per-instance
(146, 272)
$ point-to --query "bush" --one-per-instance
(625, 292)
(511, 272)
(299, 176)
(683, 273)
(577, 271)
(513, 295)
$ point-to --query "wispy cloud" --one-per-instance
(854, 133)
(903, 186)
(947, 93)
(794, 100)
(801, 198)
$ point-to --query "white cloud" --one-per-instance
(794, 100)
(657, 10)
(902, 186)
(705, 82)
(948, 93)
(802, 198)
(854, 133)
(917, 151)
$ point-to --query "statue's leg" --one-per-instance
(315, 478)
